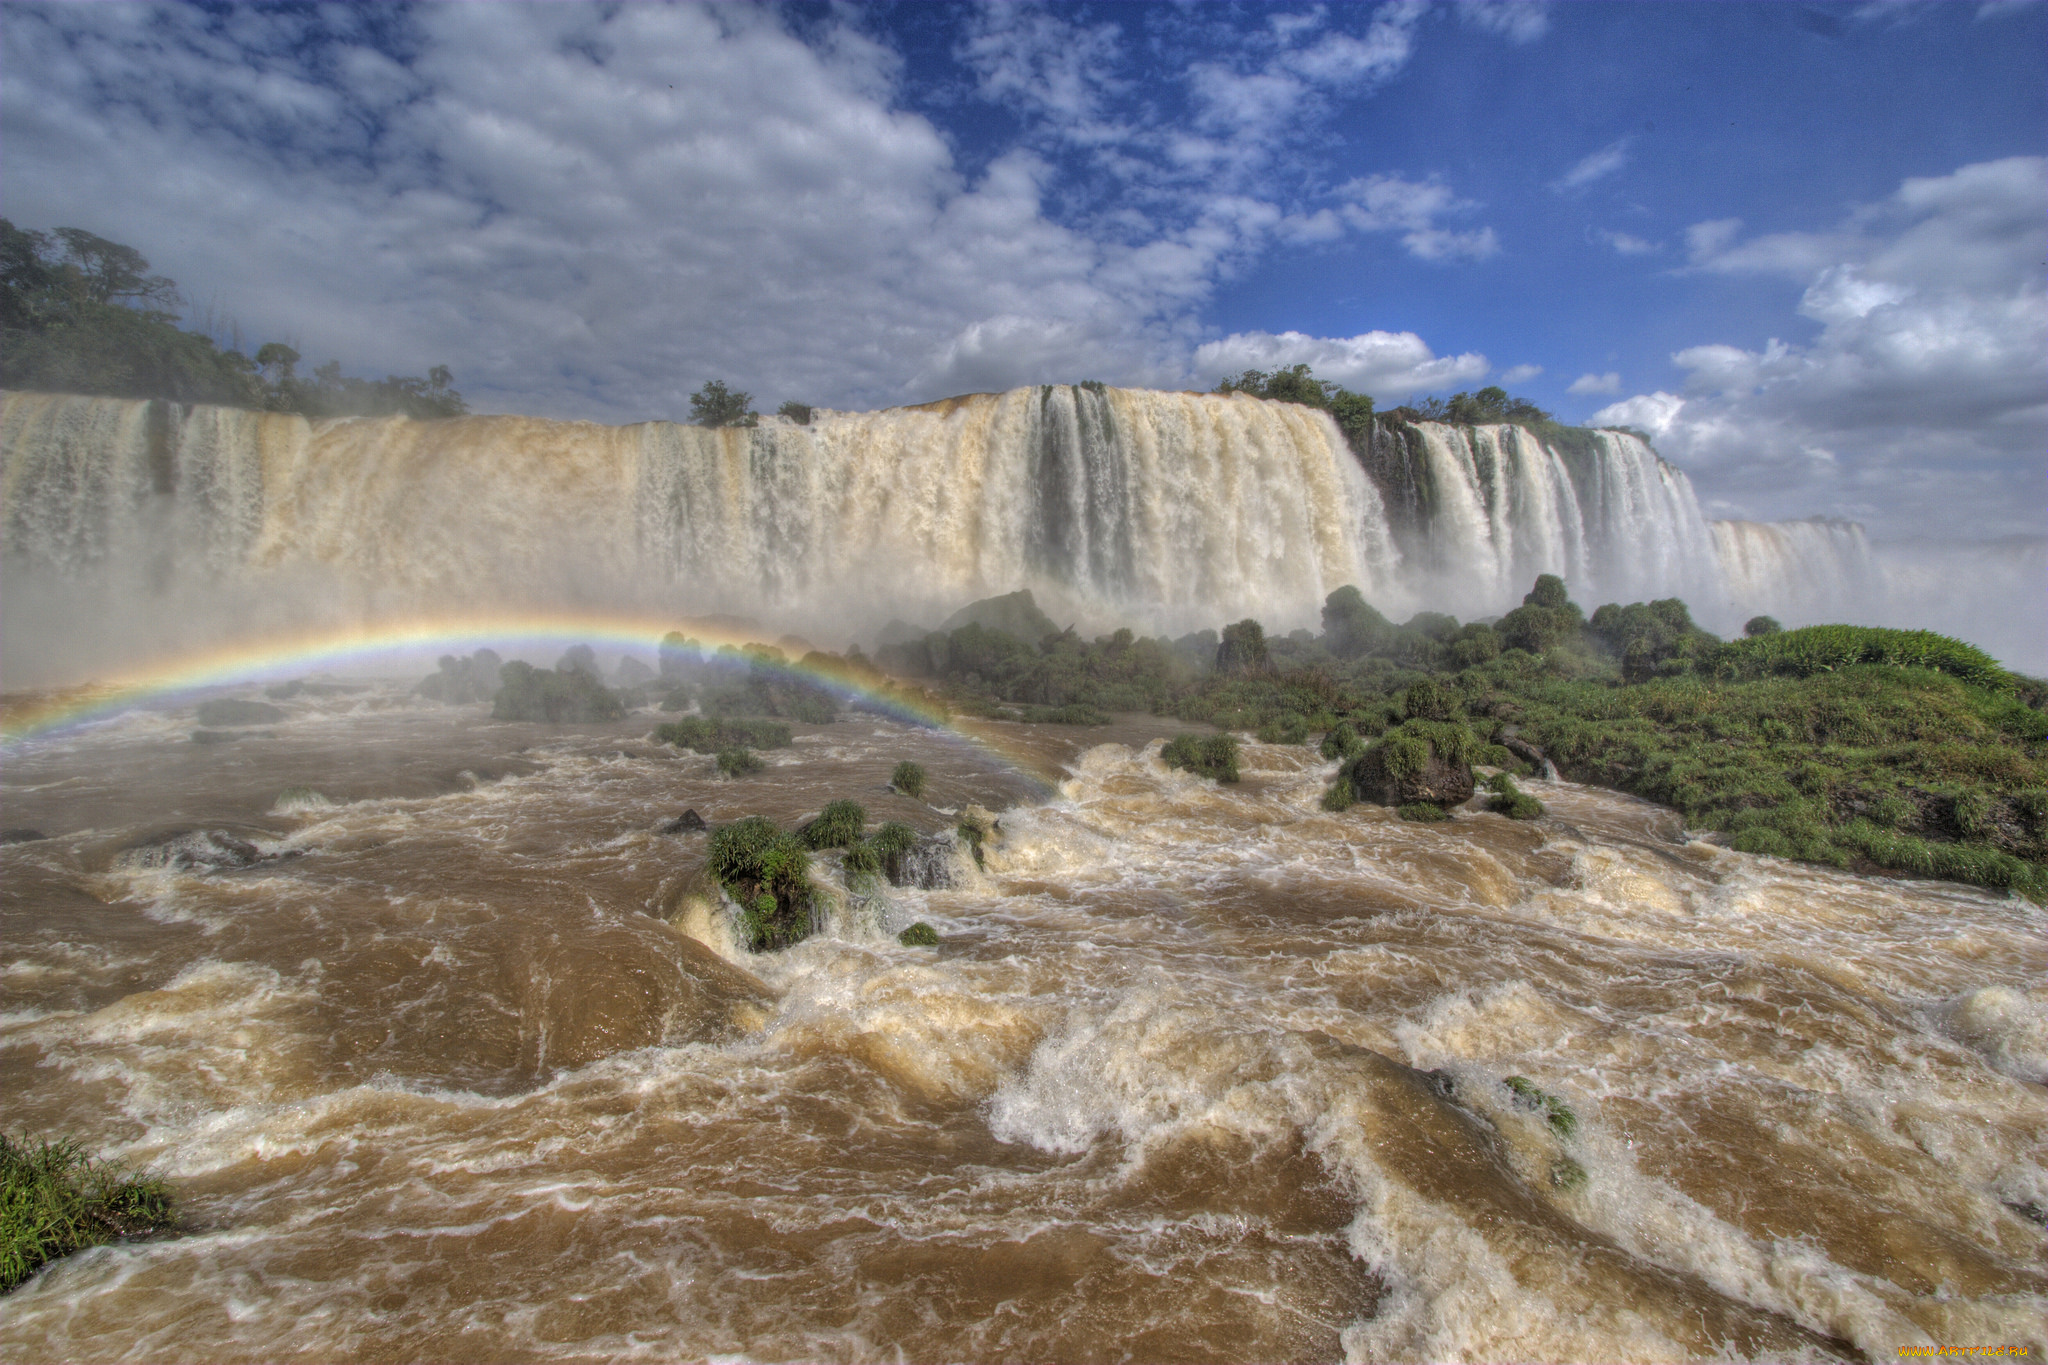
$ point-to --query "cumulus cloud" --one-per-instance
(1518, 21)
(1388, 203)
(1596, 383)
(1388, 365)
(1594, 166)
(1921, 405)
(1520, 374)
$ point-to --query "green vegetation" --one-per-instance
(1555, 1111)
(919, 935)
(880, 850)
(799, 413)
(767, 872)
(714, 736)
(1882, 750)
(81, 314)
(715, 405)
(975, 831)
(908, 779)
(54, 1200)
(1296, 384)
(741, 762)
(1510, 800)
(574, 697)
(839, 825)
(1211, 756)
(1422, 812)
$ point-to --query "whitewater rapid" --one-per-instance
(1198, 1072)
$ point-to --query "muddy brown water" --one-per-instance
(462, 1064)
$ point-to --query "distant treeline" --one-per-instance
(81, 314)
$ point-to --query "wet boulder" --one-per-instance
(186, 849)
(21, 836)
(689, 822)
(1420, 763)
(929, 864)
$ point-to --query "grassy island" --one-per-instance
(55, 1199)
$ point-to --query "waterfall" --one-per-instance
(147, 526)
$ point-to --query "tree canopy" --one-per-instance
(715, 405)
(1298, 384)
(81, 314)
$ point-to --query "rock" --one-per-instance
(1436, 782)
(1014, 614)
(1528, 753)
(189, 848)
(234, 711)
(689, 822)
(21, 836)
(926, 865)
(919, 935)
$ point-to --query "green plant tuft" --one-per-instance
(739, 762)
(1556, 1112)
(1510, 800)
(55, 1199)
(710, 736)
(1422, 812)
(839, 825)
(908, 779)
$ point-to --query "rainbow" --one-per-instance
(392, 649)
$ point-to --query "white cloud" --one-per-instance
(1922, 404)
(1520, 374)
(1388, 203)
(1518, 21)
(1388, 365)
(1594, 166)
(1596, 383)
(1626, 244)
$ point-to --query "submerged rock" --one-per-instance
(689, 822)
(189, 848)
(21, 836)
(927, 865)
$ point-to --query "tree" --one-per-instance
(715, 405)
(1350, 625)
(799, 413)
(1243, 649)
(1298, 384)
(1761, 625)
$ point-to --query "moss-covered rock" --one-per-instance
(1420, 762)
(919, 935)
(839, 825)
(1510, 800)
(1211, 756)
(767, 873)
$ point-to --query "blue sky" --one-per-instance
(1803, 244)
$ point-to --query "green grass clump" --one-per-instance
(919, 935)
(1292, 728)
(1422, 812)
(1510, 800)
(975, 833)
(908, 779)
(767, 872)
(1342, 742)
(1556, 1113)
(54, 1200)
(1827, 649)
(1211, 756)
(739, 762)
(839, 825)
(710, 736)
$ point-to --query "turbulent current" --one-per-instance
(446, 1057)
(135, 529)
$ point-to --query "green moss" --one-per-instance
(1556, 1112)
(55, 1199)
(1422, 812)
(1211, 756)
(1567, 1175)
(1510, 800)
(908, 779)
(919, 935)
